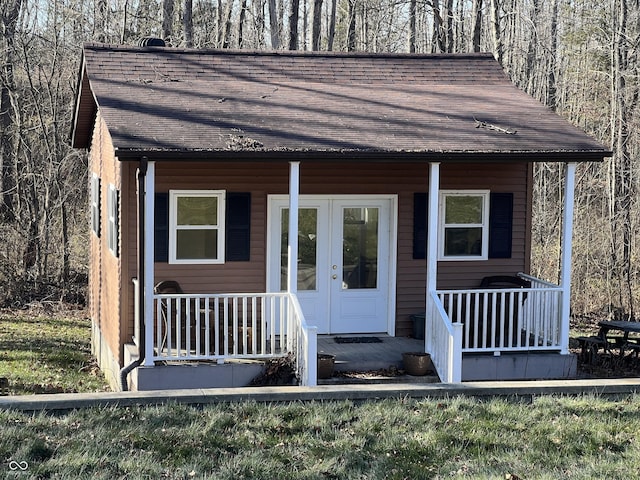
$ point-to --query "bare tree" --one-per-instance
(438, 38)
(496, 30)
(332, 25)
(274, 25)
(351, 26)
(315, 26)
(412, 25)
(168, 7)
(187, 23)
(8, 109)
(449, 26)
(476, 29)
(294, 17)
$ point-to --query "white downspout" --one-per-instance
(565, 261)
(149, 258)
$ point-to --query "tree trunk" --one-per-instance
(332, 25)
(168, 7)
(531, 51)
(315, 26)
(294, 17)
(495, 30)
(552, 101)
(437, 41)
(449, 26)
(476, 17)
(351, 29)
(241, 20)
(274, 25)
(8, 111)
(412, 26)
(622, 175)
(187, 23)
(226, 39)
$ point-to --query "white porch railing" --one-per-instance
(492, 320)
(443, 341)
(221, 327)
(506, 319)
(303, 342)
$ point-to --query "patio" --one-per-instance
(364, 355)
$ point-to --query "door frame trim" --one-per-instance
(272, 262)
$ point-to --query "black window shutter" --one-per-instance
(500, 225)
(161, 227)
(419, 225)
(238, 227)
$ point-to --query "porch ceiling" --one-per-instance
(166, 102)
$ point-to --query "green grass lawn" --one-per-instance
(47, 353)
(544, 438)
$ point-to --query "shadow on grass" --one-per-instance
(47, 354)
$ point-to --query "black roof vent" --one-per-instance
(151, 42)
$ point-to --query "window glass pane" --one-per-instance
(360, 248)
(197, 210)
(463, 209)
(197, 244)
(307, 248)
(463, 241)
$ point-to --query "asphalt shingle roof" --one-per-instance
(177, 101)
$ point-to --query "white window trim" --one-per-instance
(173, 227)
(484, 225)
(112, 219)
(95, 204)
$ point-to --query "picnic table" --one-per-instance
(613, 334)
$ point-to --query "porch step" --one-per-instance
(366, 379)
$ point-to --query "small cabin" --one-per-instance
(244, 203)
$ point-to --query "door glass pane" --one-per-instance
(360, 248)
(307, 248)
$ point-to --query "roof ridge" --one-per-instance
(284, 53)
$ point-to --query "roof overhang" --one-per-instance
(360, 156)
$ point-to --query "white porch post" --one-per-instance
(292, 244)
(292, 247)
(149, 258)
(432, 245)
(565, 266)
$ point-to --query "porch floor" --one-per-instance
(363, 357)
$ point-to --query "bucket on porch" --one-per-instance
(416, 363)
(418, 320)
(326, 363)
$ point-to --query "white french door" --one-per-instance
(346, 260)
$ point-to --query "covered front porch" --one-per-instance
(482, 326)
(499, 333)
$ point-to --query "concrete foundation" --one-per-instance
(519, 366)
(107, 361)
(189, 375)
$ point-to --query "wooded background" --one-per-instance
(579, 57)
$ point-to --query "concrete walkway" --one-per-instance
(68, 401)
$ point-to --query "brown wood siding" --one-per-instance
(263, 179)
(105, 286)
